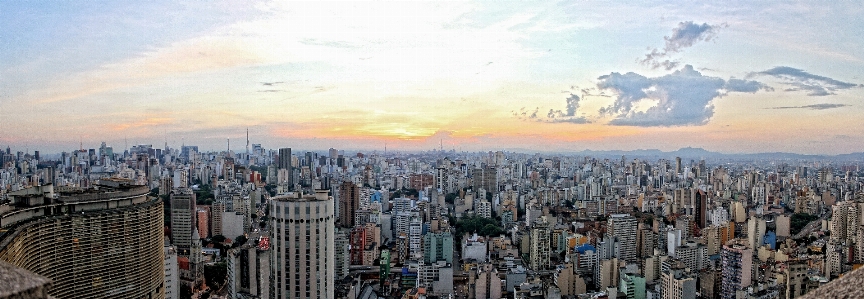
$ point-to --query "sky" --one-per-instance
(731, 77)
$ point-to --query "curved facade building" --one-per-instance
(302, 259)
(92, 244)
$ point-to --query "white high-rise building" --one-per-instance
(303, 263)
(623, 227)
(172, 273)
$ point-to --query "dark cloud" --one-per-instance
(271, 90)
(799, 80)
(683, 98)
(814, 106)
(685, 35)
(569, 113)
(271, 83)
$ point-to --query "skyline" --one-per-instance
(737, 78)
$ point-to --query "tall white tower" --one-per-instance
(303, 262)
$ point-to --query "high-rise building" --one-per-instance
(438, 247)
(182, 219)
(540, 246)
(92, 244)
(285, 163)
(203, 214)
(796, 279)
(349, 201)
(623, 228)
(217, 211)
(677, 283)
(303, 261)
(737, 261)
(249, 271)
(700, 215)
(172, 273)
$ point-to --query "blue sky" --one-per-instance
(729, 77)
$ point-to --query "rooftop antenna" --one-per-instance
(247, 141)
(442, 144)
(229, 144)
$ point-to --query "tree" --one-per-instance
(218, 239)
(476, 224)
(239, 241)
(185, 292)
(450, 198)
(799, 221)
(215, 275)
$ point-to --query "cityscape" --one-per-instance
(431, 150)
(283, 223)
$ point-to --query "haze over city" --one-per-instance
(732, 77)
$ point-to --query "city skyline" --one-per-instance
(735, 78)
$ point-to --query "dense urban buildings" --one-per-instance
(434, 224)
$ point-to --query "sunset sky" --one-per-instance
(732, 77)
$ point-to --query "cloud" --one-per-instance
(740, 85)
(814, 106)
(682, 98)
(815, 85)
(569, 113)
(524, 114)
(684, 36)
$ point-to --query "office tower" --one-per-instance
(737, 261)
(623, 228)
(349, 201)
(540, 246)
(488, 283)
(700, 215)
(694, 255)
(678, 165)
(438, 247)
(631, 284)
(303, 259)
(647, 239)
(756, 229)
(249, 271)
(182, 219)
(285, 163)
(217, 209)
(172, 273)
(203, 214)
(844, 221)
(113, 243)
(677, 283)
(606, 274)
(341, 253)
(484, 209)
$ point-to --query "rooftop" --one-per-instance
(848, 286)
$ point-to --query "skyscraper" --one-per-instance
(737, 261)
(182, 219)
(349, 201)
(303, 261)
(540, 246)
(677, 283)
(285, 163)
(623, 227)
